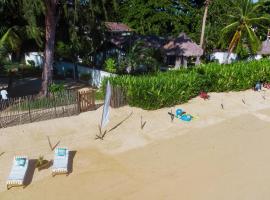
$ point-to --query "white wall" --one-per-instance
(96, 74)
(37, 57)
(256, 57)
(222, 56)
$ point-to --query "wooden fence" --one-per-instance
(29, 109)
(22, 110)
(118, 97)
(86, 100)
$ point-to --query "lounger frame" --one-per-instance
(61, 171)
(16, 183)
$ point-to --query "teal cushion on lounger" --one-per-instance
(61, 152)
(20, 161)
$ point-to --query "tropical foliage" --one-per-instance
(245, 21)
(76, 28)
(176, 87)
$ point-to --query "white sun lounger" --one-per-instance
(60, 163)
(17, 173)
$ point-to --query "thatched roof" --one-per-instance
(120, 41)
(182, 46)
(148, 41)
(117, 27)
(265, 50)
(151, 41)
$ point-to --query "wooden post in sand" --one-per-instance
(222, 106)
(142, 123)
(244, 100)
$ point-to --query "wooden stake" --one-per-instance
(172, 115)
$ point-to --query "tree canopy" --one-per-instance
(80, 23)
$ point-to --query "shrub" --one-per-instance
(56, 88)
(175, 87)
(85, 77)
(110, 65)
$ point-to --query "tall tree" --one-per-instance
(52, 12)
(163, 17)
(241, 32)
(15, 31)
(51, 7)
(207, 3)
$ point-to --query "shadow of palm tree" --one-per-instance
(46, 166)
(30, 172)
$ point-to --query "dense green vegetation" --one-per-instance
(75, 30)
(176, 87)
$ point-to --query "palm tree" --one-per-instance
(241, 32)
(14, 32)
(207, 3)
(51, 10)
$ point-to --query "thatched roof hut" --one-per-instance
(117, 27)
(182, 47)
(265, 50)
(151, 41)
(148, 41)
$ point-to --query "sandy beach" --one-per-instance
(221, 154)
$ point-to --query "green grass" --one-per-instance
(56, 100)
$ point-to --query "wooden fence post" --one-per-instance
(54, 102)
(20, 110)
(79, 102)
(29, 109)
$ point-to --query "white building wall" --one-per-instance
(36, 57)
(97, 75)
(221, 57)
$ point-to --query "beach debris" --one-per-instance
(186, 117)
(142, 123)
(204, 95)
(243, 100)
(180, 114)
(50, 144)
(263, 95)
(172, 115)
(222, 106)
(102, 135)
(2, 154)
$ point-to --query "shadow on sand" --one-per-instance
(30, 172)
(70, 162)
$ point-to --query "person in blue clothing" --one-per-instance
(258, 86)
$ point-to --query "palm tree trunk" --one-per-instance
(203, 28)
(229, 54)
(50, 22)
(105, 10)
(203, 25)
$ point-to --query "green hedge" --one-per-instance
(166, 89)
